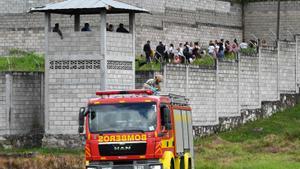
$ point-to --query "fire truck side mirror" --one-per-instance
(81, 120)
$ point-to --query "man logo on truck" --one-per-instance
(122, 148)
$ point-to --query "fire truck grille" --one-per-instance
(122, 149)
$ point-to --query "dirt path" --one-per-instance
(42, 161)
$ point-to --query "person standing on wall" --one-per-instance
(147, 50)
(160, 51)
(86, 28)
(57, 29)
(121, 29)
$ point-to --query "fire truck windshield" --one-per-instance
(125, 117)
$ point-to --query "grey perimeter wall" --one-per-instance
(235, 92)
(171, 21)
(21, 103)
(261, 20)
(222, 97)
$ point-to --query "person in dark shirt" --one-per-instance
(110, 28)
(160, 50)
(220, 53)
(56, 29)
(121, 29)
(147, 50)
(86, 28)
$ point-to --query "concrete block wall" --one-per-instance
(261, 20)
(141, 77)
(228, 89)
(119, 46)
(26, 103)
(175, 79)
(202, 95)
(74, 45)
(223, 94)
(287, 64)
(268, 74)
(3, 115)
(249, 82)
(120, 79)
(69, 89)
(75, 74)
(21, 103)
(203, 20)
(120, 66)
(21, 39)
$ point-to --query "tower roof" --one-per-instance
(88, 7)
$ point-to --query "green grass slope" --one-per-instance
(22, 61)
(272, 143)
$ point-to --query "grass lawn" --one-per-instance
(272, 143)
(22, 61)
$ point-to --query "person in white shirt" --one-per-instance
(180, 49)
(244, 45)
(211, 49)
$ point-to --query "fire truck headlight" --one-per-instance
(156, 166)
(91, 167)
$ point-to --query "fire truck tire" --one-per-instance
(167, 160)
(172, 165)
(182, 165)
(190, 164)
(187, 161)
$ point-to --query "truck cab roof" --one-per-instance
(134, 96)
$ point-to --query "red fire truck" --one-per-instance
(135, 129)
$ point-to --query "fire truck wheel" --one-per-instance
(182, 163)
(187, 161)
(190, 164)
(172, 164)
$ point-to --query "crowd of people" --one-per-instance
(189, 51)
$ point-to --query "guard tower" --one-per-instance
(79, 63)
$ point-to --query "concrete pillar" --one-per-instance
(103, 83)
(259, 76)
(77, 23)
(46, 107)
(296, 65)
(42, 101)
(216, 90)
(132, 30)
(8, 100)
(278, 70)
(165, 76)
(47, 22)
(186, 80)
(239, 84)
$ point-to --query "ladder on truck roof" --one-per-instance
(177, 99)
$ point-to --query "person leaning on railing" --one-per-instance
(154, 84)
